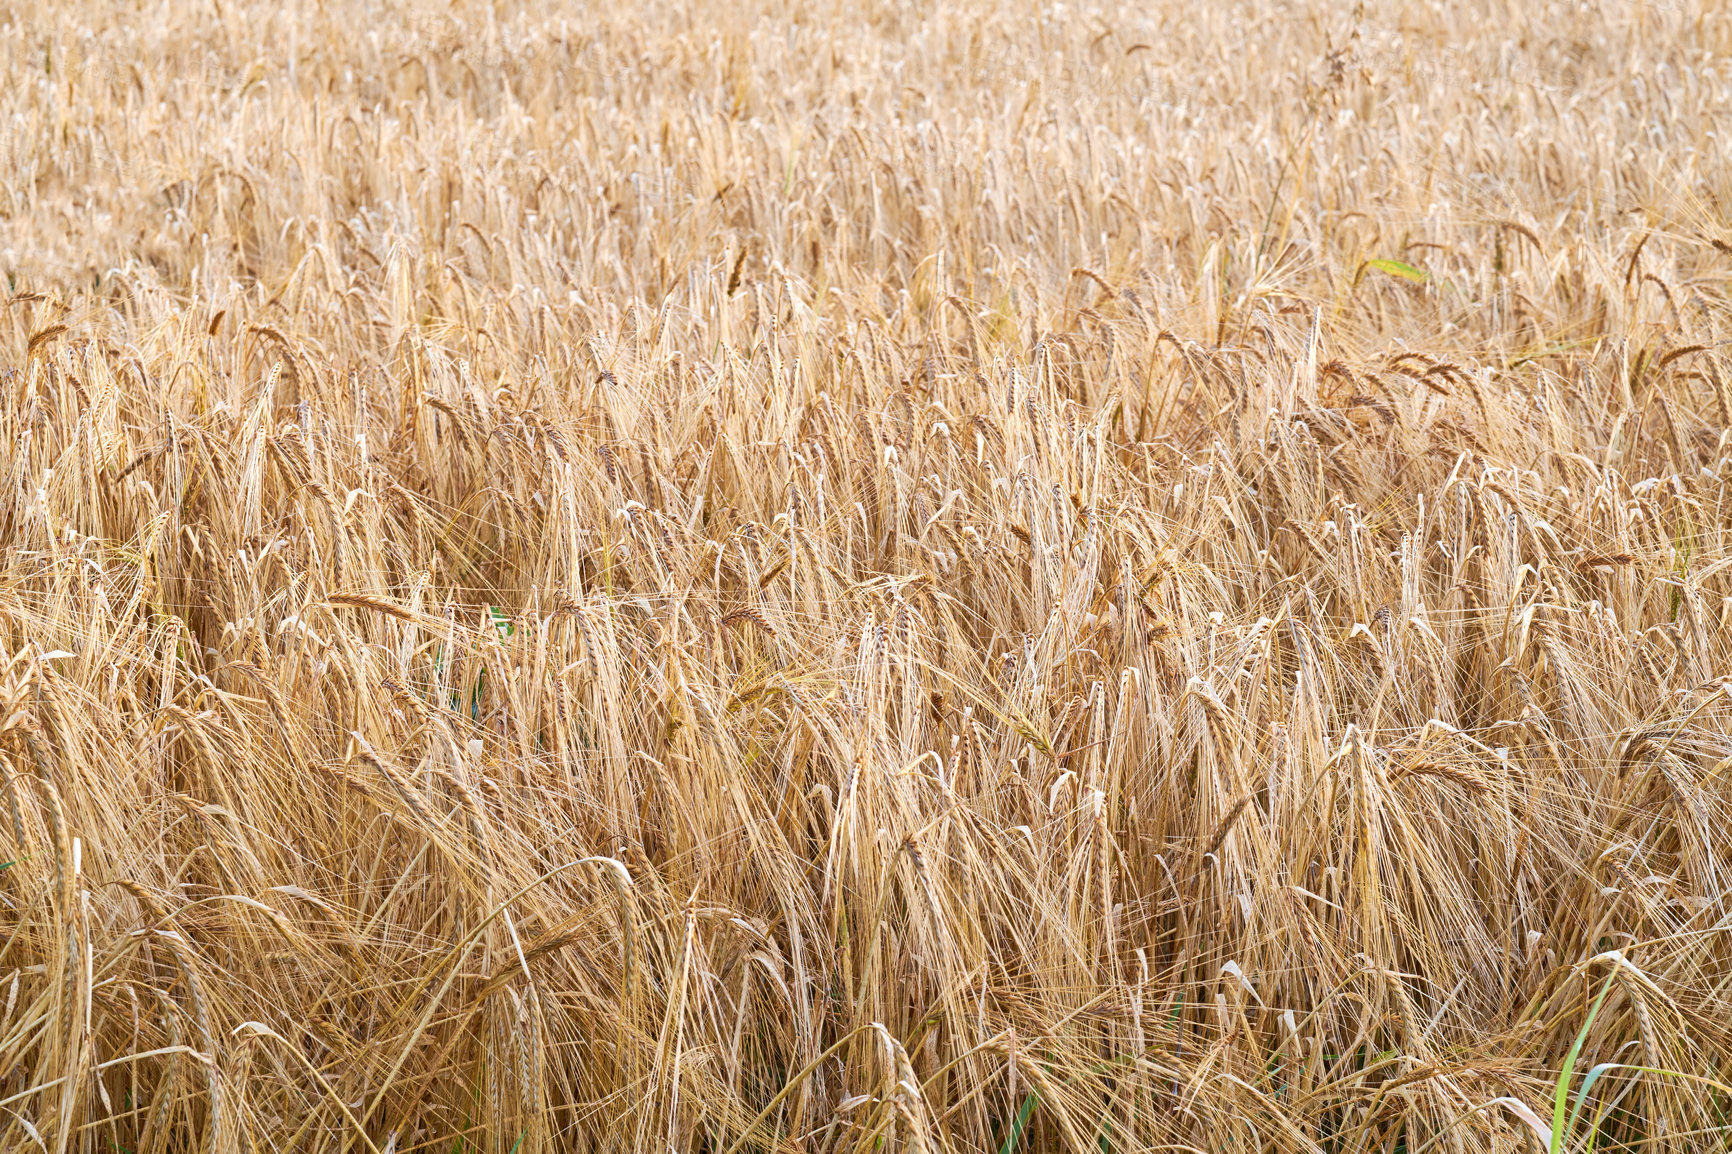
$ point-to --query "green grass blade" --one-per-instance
(1401, 269)
(1561, 1095)
(1593, 1076)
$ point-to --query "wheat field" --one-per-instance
(862, 577)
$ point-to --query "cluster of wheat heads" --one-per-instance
(851, 577)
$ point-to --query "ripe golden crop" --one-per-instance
(861, 576)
